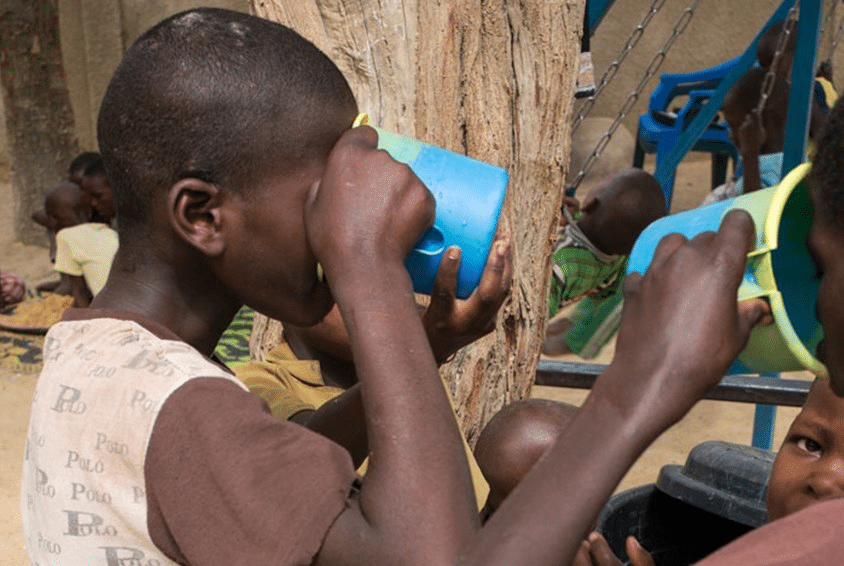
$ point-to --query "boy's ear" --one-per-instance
(194, 209)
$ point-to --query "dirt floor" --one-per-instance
(709, 420)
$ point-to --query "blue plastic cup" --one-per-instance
(779, 270)
(469, 195)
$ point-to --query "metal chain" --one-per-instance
(633, 97)
(612, 69)
(782, 41)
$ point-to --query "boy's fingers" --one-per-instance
(582, 557)
(665, 248)
(364, 135)
(752, 312)
(738, 235)
(507, 253)
(631, 285)
(445, 284)
(602, 554)
(637, 554)
(495, 281)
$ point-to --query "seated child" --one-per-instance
(809, 468)
(312, 366)
(12, 289)
(824, 92)
(80, 163)
(96, 185)
(590, 256)
(513, 440)
(84, 249)
(228, 143)
(759, 142)
(74, 175)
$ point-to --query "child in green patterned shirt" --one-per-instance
(590, 257)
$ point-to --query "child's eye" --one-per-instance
(808, 445)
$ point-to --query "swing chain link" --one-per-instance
(782, 41)
(613, 67)
(633, 97)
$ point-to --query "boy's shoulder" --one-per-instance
(128, 341)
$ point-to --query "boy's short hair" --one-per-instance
(95, 169)
(827, 175)
(82, 161)
(637, 199)
(216, 95)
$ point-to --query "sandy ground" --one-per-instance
(709, 420)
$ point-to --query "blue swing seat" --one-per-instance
(659, 128)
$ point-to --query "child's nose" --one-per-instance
(828, 479)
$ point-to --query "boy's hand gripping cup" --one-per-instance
(469, 194)
(779, 270)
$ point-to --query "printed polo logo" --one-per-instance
(141, 401)
(43, 485)
(151, 362)
(127, 556)
(74, 460)
(84, 353)
(106, 444)
(81, 492)
(129, 338)
(138, 494)
(53, 349)
(83, 524)
(68, 401)
(49, 546)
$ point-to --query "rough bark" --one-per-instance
(39, 119)
(493, 80)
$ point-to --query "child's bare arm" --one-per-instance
(450, 323)
(681, 330)
(751, 135)
(79, 291)
(362, 221)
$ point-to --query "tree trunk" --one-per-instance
(39, 119)
(494, 80)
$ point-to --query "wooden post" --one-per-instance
(494, 80)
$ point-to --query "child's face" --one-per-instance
(826, 245)
(269, 264)
(810, 464)
(99, 190)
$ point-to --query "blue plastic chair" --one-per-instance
(659, 128)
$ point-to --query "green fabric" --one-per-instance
(233, 347)
(583, 274)
(594, 323)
